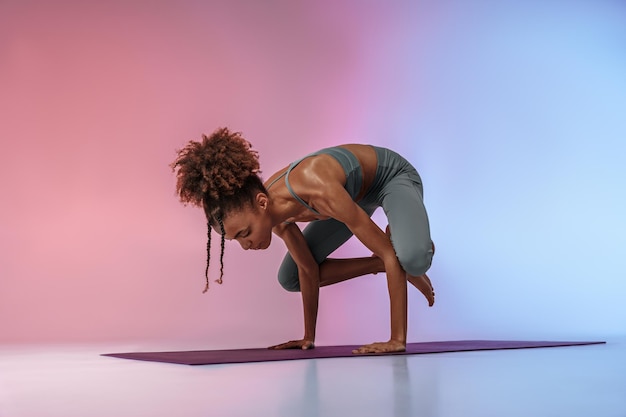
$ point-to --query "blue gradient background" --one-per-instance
(513, 112)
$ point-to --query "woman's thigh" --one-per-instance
(408, 223)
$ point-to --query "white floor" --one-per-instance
(74, 381)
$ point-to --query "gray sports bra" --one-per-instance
(349, 163)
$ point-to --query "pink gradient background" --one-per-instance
(96, 97)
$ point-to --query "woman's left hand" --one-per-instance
(295, 344)
(382, 347)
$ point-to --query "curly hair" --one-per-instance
(221, 175)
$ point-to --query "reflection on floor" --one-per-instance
(74, 381)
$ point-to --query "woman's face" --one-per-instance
(251, 227)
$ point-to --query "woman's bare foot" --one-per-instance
(423, 284)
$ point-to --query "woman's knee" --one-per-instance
(288, 275)
(416, 260)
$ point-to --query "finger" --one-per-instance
(293, 344)
(281, 346)
(371, 348)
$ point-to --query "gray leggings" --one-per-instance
(401, 198)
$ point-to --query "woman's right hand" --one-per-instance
(295, 344)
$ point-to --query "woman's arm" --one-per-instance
(309, 276)
(335, 201)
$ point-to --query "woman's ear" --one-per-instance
(262, 200)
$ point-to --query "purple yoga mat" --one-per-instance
(213, 357)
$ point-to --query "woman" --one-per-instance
(337, 190)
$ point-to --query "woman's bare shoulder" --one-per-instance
(270, 181)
